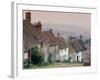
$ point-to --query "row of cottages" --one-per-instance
(78, 52)
(33, 36)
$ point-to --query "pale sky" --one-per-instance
(74, 22)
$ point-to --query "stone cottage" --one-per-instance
(77, 49)
(33, 36)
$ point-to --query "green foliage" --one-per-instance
(67, 61)
(50, 58)
(58, 60)
(26, 63)
(37, 56)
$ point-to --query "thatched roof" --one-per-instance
(78, 45)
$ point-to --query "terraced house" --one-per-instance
(78, 51)
(46, 41)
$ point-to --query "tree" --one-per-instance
(37, 56)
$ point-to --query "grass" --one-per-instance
(55, 65)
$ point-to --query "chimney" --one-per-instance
(50, 30)
(81, 37)
(39, 25)
(70, 38)
(28, 16)
(58, 34)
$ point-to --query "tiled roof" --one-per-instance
(31, 27)
(61, 42)
(47, 37)
(50, 37)
(28, 37)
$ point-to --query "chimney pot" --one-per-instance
(58, 34)
(28, 16)
(51, 30)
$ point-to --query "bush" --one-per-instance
(58, 60)
(67, 61)
(37, 56)
(50, 58)
(26, 63)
